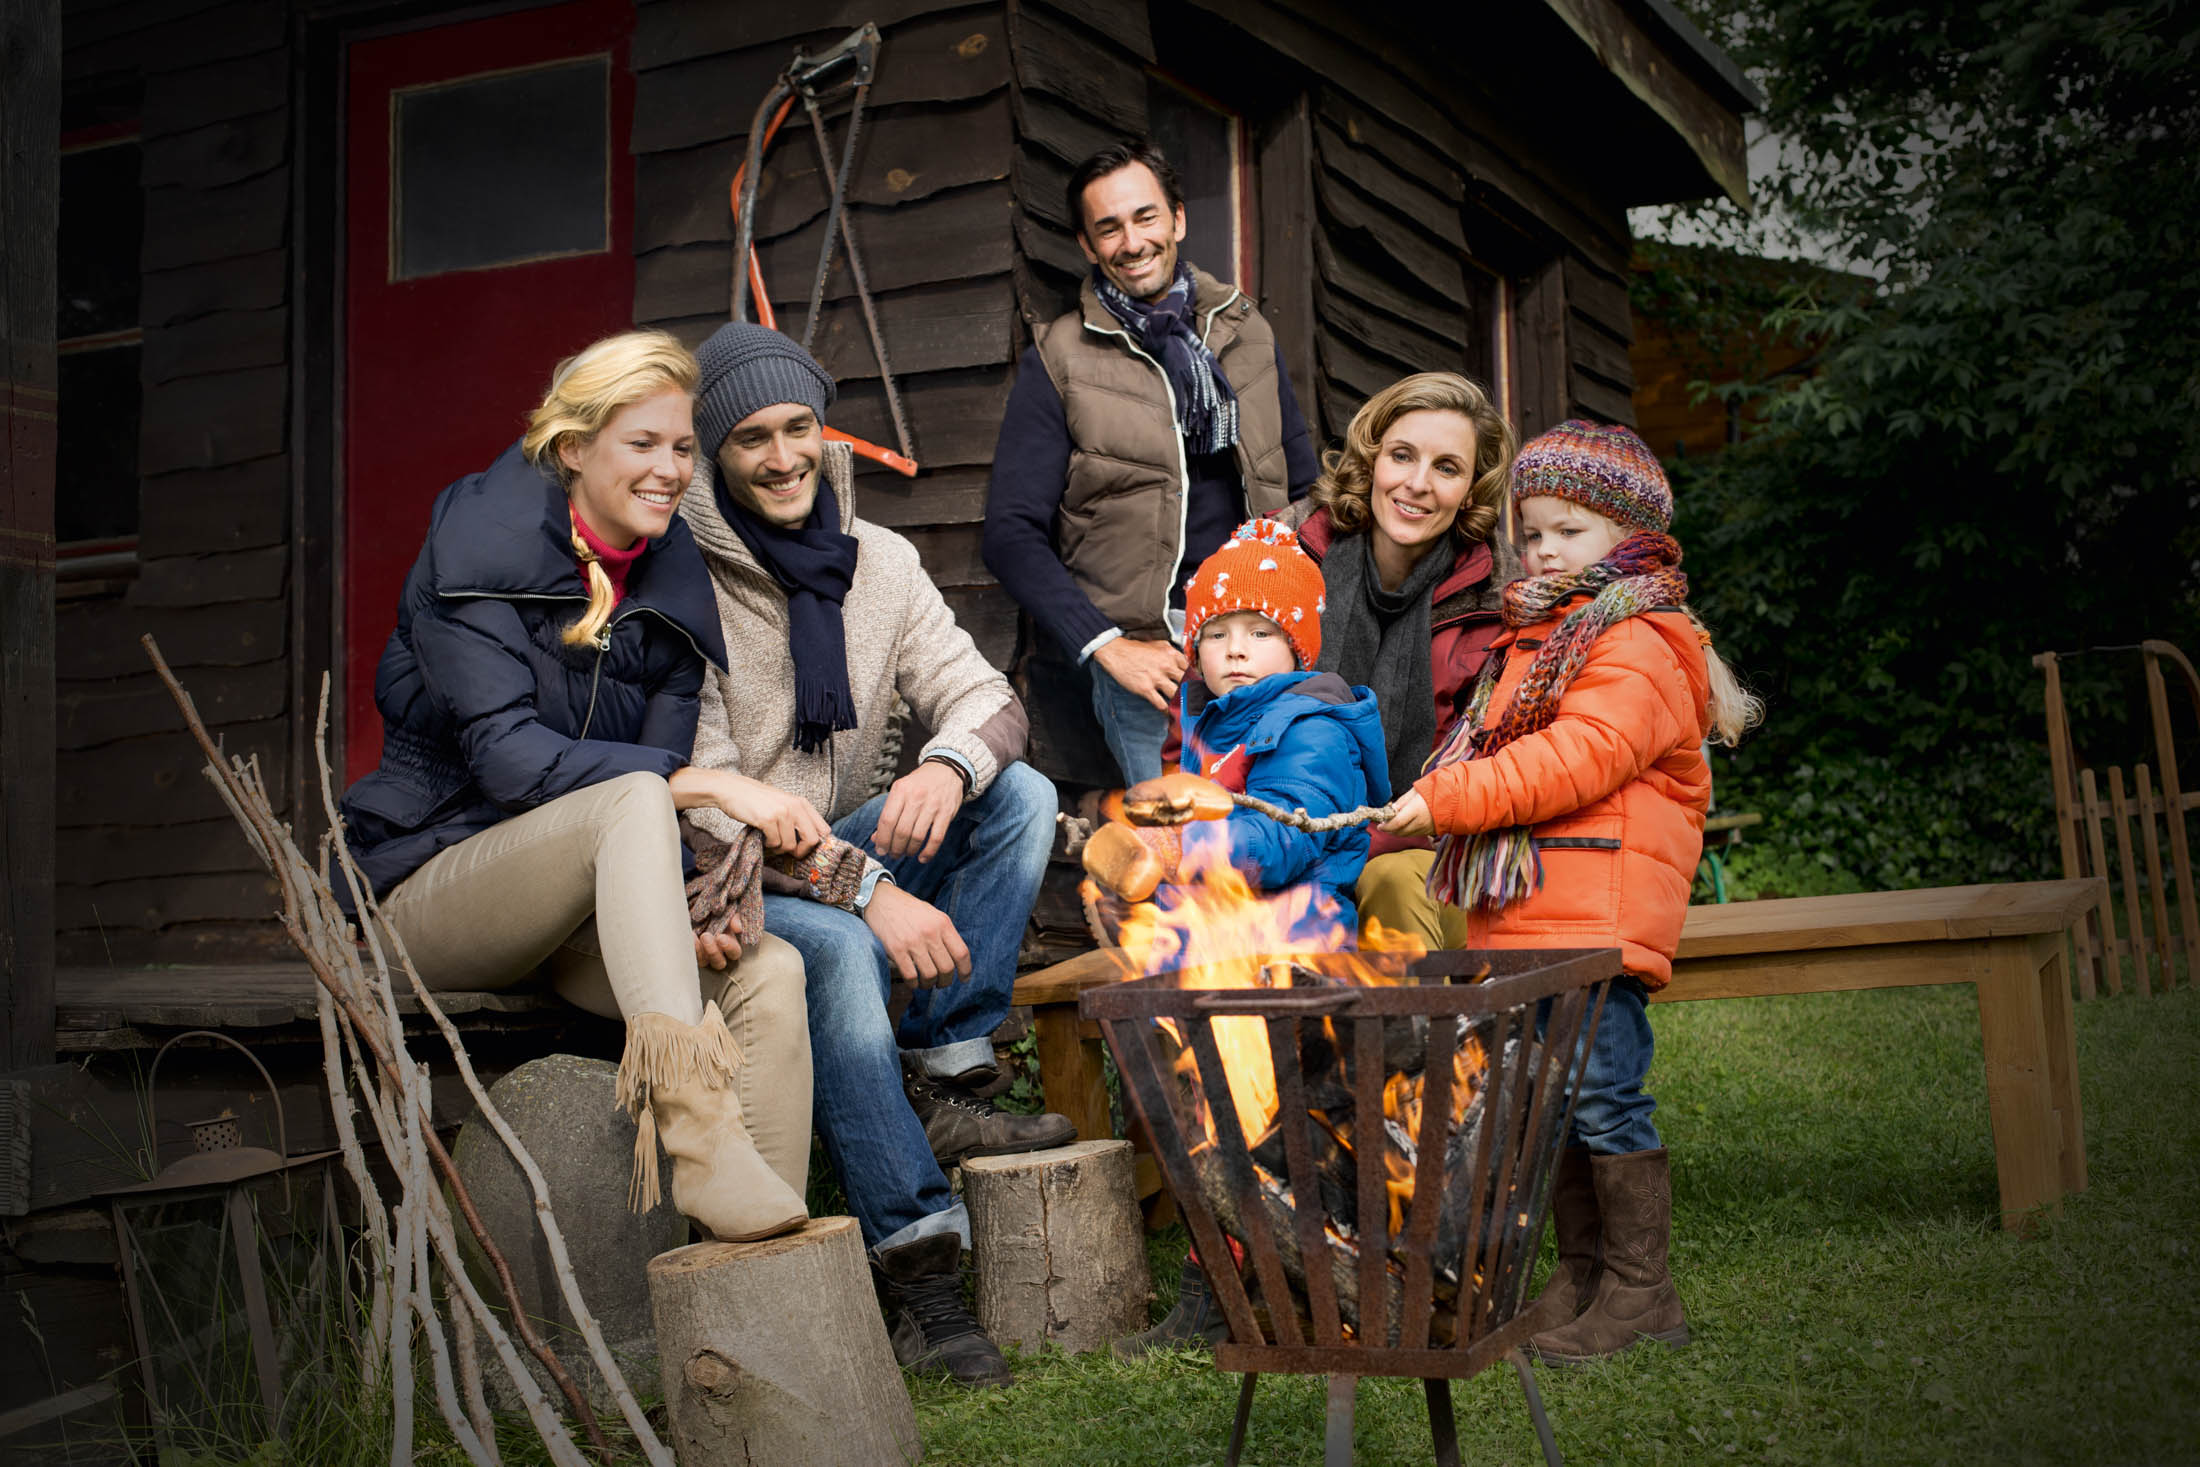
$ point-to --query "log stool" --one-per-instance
(1058, 1246)
(774, 1352)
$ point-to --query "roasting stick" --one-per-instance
(1298, 819)
(1181, 798)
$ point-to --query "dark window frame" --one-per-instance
(1244, 264)
(398, 98)
(102, 563)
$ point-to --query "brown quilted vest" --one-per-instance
(1122, 516)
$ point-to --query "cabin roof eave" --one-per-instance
(1681, 76)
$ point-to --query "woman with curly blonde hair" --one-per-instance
(1404, 521)
(538, 702)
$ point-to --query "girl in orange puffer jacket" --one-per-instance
(1570, 801)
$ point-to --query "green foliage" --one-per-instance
(1022, 1095)
(1997, 451)
(1837, 820)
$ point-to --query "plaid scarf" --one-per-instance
(1491, 869)
(1206, 405)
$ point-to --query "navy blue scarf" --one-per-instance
(814, 565)
(1206, 405)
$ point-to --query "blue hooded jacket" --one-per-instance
(486, 713)
(1312, 743)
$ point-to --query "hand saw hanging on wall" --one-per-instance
(850, 63)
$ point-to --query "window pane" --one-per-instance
(502, 169)
(1198, 139)
(95, 461)
(102, 217)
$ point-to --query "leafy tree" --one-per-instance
(1998, 451)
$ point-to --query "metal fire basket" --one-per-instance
(1435, 1298)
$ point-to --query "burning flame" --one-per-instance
(1241, 938)
(1237, 937)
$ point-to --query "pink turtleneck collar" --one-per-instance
(615, 563)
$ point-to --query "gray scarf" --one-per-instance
(1381, 638)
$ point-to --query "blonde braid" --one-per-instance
(602, 596)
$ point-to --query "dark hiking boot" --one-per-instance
(920, 1288)
(1578, 1230)
(959, 1123)
(1196, 1323)
(1634, 1299)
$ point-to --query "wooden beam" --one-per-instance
(1287, 229)
(1540, 357)
(30, 187)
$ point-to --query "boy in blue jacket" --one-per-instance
(1258, 721)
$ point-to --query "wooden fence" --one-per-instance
(2154, 800)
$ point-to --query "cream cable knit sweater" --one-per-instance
(902, 640)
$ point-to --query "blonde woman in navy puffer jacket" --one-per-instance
(538, 700)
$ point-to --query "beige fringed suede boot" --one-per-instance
(676, 1080)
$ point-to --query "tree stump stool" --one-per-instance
(774, 1353)
(1058, 1246)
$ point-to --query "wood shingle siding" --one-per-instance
(149, 866)
(931, 203)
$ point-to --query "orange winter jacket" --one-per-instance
(1615, 787)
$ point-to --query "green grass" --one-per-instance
(1835, 1240)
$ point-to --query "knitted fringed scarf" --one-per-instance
(1491, 869)
(662, 1051)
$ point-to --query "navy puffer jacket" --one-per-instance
(486, 713)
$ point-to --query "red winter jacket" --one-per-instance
(1615, 787)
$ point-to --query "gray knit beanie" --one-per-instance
(746, 368)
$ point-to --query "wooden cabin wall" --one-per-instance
(931, 206)
(1427, 184)
(150, 867)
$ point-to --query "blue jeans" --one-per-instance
(1134, 728)
(985, 878)
(1612, 1113)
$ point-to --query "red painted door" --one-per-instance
(489, 199)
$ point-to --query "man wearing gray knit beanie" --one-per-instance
(829, 620)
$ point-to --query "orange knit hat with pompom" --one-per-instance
(1260, 568)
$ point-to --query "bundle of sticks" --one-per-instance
(366, 1063)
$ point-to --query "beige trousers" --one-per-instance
(1393, 890)
(591, 884)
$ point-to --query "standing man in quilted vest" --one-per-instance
(1144, 427)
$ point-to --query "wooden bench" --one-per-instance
(2005, 940)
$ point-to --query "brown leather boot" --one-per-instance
(1635, 1299)
(1579, 1228)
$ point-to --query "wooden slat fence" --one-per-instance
(2105, 831)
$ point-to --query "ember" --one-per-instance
(1374, 1129)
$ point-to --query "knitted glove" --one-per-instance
(724, 896)
(832, 873)
(1132, 861)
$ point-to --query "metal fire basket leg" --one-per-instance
(1443, 1427)
(1535, 1409)
(1337, 1429)
(1244, 1413)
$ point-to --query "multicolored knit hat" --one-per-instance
(1260, 568)
(1600, 467)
